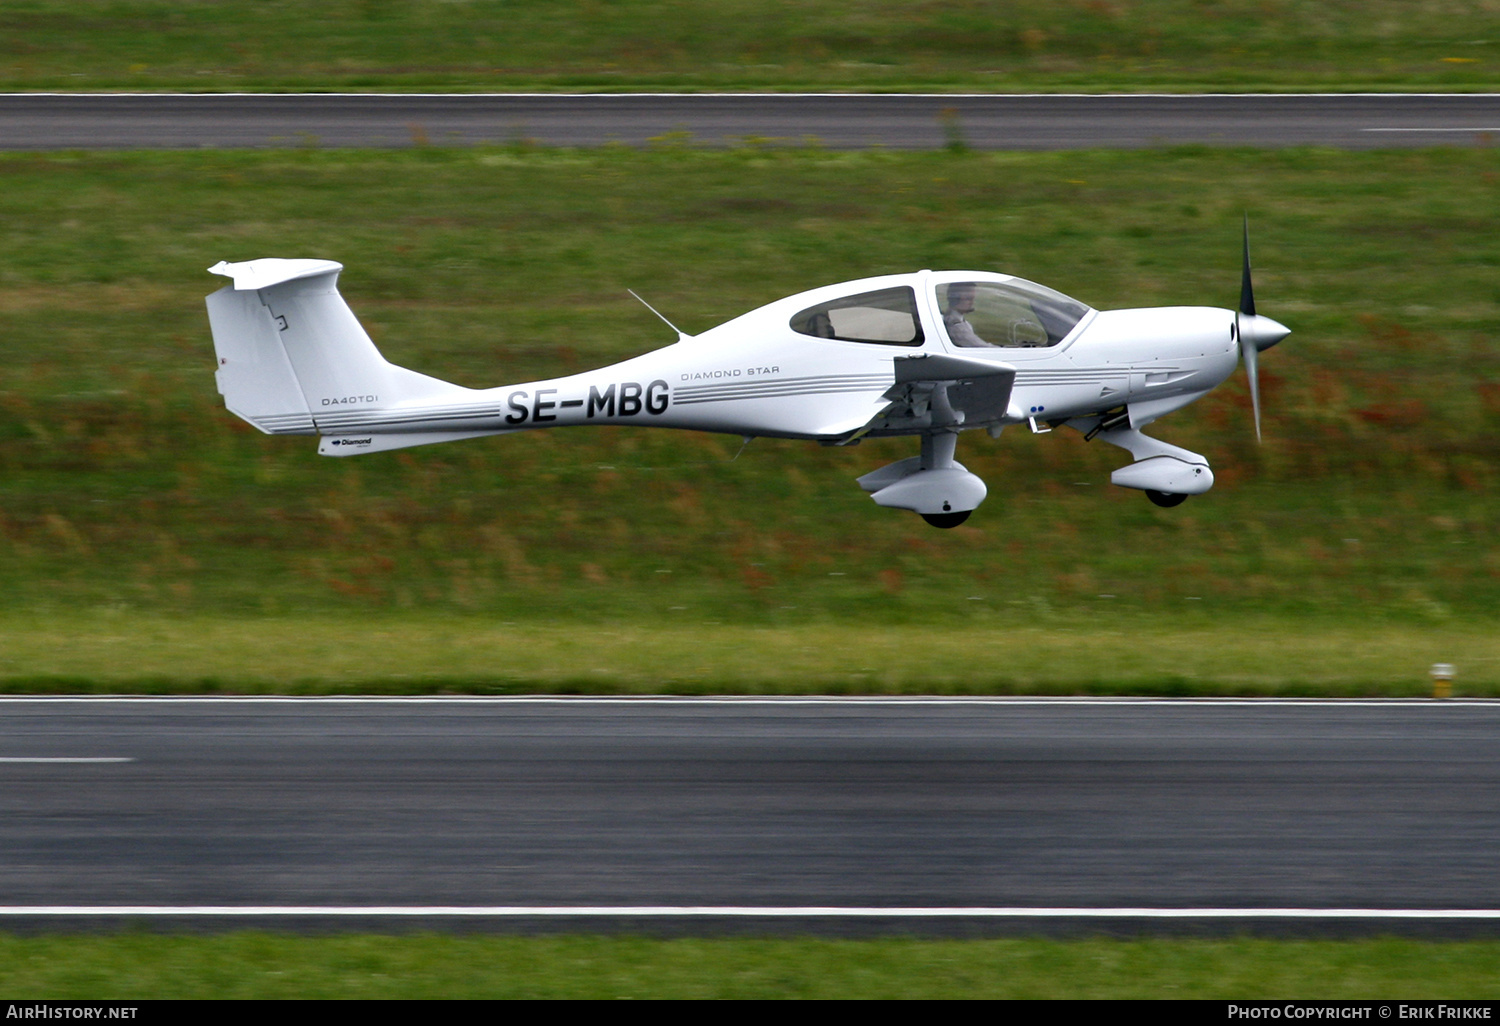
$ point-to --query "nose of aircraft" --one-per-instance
(1261, 331)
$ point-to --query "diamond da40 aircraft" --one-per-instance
(930, 354)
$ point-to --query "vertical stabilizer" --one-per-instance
(254, 375)
(292, 354)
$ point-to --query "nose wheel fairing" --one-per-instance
(1166, 473)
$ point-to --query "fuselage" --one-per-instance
(819, 365)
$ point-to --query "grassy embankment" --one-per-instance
(149, 540)
(254, 965)
(1022, 45)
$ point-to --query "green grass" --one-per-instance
(133, 506)
(1020, 45)
(258, 965)
(985, 654)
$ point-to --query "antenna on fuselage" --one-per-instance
(682, 336)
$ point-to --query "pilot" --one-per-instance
(960, 304)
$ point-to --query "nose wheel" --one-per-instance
(1166, 500)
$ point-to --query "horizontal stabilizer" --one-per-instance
(250, 275)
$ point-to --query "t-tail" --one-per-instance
(294, 360)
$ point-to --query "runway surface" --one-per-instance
(762, 804)
(111, 121)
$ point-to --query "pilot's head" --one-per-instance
(961, 297)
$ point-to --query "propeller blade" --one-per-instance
(1247, 294)
(1249, 353)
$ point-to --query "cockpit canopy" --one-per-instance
(1008, 314)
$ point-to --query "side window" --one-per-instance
(887, 317)
(1012, 314)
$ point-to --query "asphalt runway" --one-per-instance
(763, 805)
(852, 121)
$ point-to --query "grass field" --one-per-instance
(132, 506)
(413, 654)
(255, 965)
(1019, 45)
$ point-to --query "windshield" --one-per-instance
(1012, 314)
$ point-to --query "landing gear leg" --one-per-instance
(937, 454)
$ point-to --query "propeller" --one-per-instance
(1255, 333)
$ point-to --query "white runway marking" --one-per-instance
(10, 759)
(748, 911)
(1476, 128)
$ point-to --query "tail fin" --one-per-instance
(291, 352)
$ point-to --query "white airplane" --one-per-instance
(930, 354)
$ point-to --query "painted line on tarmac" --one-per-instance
(749, 700)
(1475, 128)
(749, 911)
(65, 759)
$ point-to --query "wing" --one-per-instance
(979, 389)
(976, 391)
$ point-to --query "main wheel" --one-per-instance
(1166, 500)
(946, 520)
